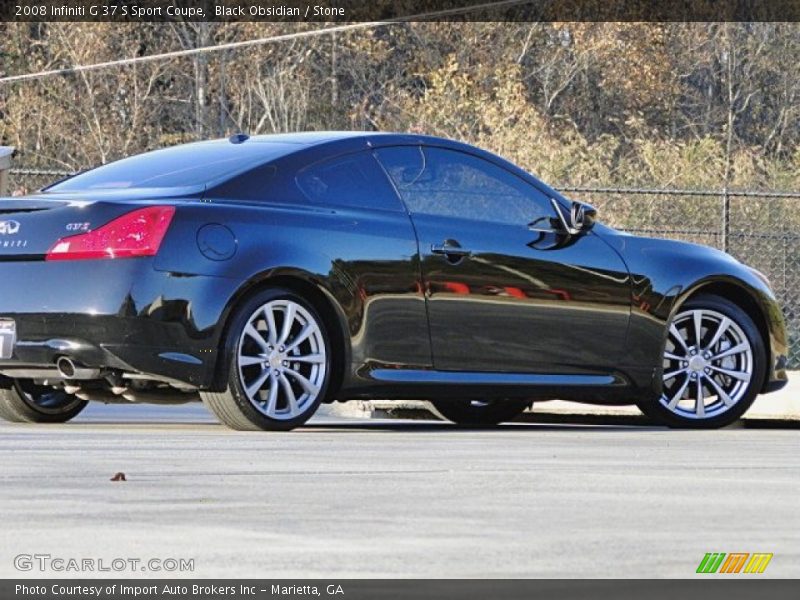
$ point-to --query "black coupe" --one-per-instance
(266, 275)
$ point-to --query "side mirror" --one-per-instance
(581, 217)
(564, 228)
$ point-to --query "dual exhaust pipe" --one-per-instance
(74, 373)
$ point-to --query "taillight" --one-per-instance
(137, 233)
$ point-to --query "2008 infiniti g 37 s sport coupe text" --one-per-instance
(266, 275)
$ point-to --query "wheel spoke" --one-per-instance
(740, 375)
(288, 321)
(247, 361)
(699, 401)
(301, 337)
(271, 328)
(255, 334)
(314, 359)
(673, 402)
(291, 399)
(678, 337)
(303, 381)
(671, 356)
(253, 389)
(738, 349)
(673, 374)
(727, 400)
(272, 399)
(724, 324)
(698, 327)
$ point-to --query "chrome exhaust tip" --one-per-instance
(69, 370)
(66, 367)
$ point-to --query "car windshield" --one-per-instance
(179, 166)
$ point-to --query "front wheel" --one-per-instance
(278, 364)
(478, 413)
(26, 402)
(713, 366)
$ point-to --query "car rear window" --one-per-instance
(179, 166)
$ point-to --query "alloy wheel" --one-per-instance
(282, 359)
(708, 364)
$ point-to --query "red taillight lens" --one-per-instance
(137, 233)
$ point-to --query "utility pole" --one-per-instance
(6, 153)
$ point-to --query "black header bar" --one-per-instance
(700, 588)
(341, 11)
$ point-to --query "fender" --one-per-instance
(676, 271)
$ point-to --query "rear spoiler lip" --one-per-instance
(22, 204)
(164, 193)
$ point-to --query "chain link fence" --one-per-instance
(761, 229)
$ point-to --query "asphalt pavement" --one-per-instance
(346, 498)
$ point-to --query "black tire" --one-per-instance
(478, 414)
(656, 409)
(232, 406)
(26, 402)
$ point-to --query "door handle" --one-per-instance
(451, 249)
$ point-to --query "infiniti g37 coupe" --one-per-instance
(267, 275)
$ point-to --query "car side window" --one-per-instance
(443, 182)
(354, 180)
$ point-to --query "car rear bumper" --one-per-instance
(38, 358)
(114, 314)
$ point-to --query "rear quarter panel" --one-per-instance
(365, 262)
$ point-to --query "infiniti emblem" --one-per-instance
(9, 227)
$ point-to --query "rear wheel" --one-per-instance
(27, 402)
(278, 364)
(713, 366)
(478, 412)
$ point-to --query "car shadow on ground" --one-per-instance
(374, 426)
(197, 418)
(343, 426)
(434, 427)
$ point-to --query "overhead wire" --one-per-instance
(265, 40)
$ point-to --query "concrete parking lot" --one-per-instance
(369, 498)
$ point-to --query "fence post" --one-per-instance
(6, 152)
(726, 217)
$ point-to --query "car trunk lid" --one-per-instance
(31, 226)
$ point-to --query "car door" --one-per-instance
(498, 300)
(373, 249)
